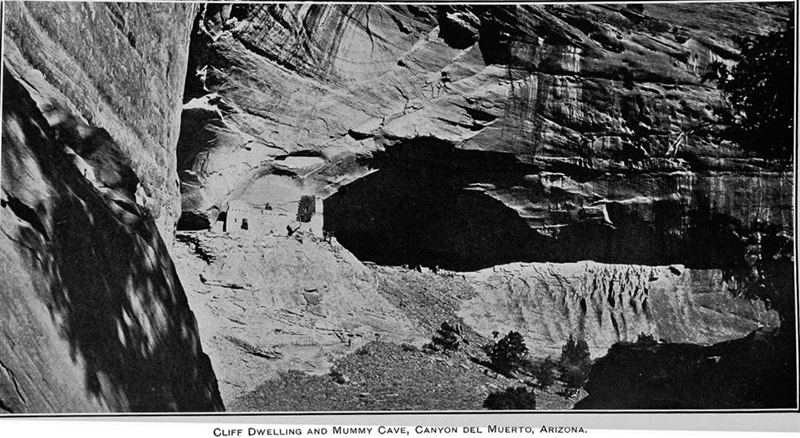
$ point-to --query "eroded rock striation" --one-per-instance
(606, 304)
(515, 141)
(267, 304)
(584, 131)
(113, 66)
(475, 137)
(94, 317)
(431, 204)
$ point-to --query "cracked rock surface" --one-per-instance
(555, 170)
(93, 317)
(579, 123)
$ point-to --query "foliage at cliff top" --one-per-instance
(761, 90)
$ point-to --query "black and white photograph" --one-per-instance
(249, 207)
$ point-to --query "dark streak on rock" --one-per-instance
(13, 380)
(26, 214)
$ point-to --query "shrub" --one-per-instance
(544, 372)
(575, 352)
(575, 363)
(408, 347)
(518, 398)
(646, 340)
(446, 338)
(508, 353)
(760, 87)
(575, 376)
(338, 377)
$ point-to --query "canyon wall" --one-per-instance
(94, 318)
(605, 304)
(113, 66)
(462, 137)
(467, 137)
(267, 304)
(587, 131)
(431, 204)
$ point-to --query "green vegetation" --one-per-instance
(646, 340)
(575, 363)
(544, 372)
(760, 89)
(508, 353)
(518, 398)
(575, 352)
(445, 339)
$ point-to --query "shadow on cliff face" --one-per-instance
(403, 216)
(432, 204)
(757, 371)
(113, 290)
(416, 210)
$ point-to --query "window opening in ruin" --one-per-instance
(306, 209)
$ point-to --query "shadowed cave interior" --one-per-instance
(427, 205)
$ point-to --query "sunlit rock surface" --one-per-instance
(267, 304)
(605, 304)
(116, 66)
(587, 131)
(93, 315)
(467, 137)
(515, 141)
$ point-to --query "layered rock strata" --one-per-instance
(268, 304)
(94, 317)
(466, 137)
(606, 304)
(119, 67)
(587, 131)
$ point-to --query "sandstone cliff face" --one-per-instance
(461, 137)
(467, 137)
(94, 317)
(758, 371)
(267, 304)
(119, 67)
(606, 304)
(430, 204)
(587, 131)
